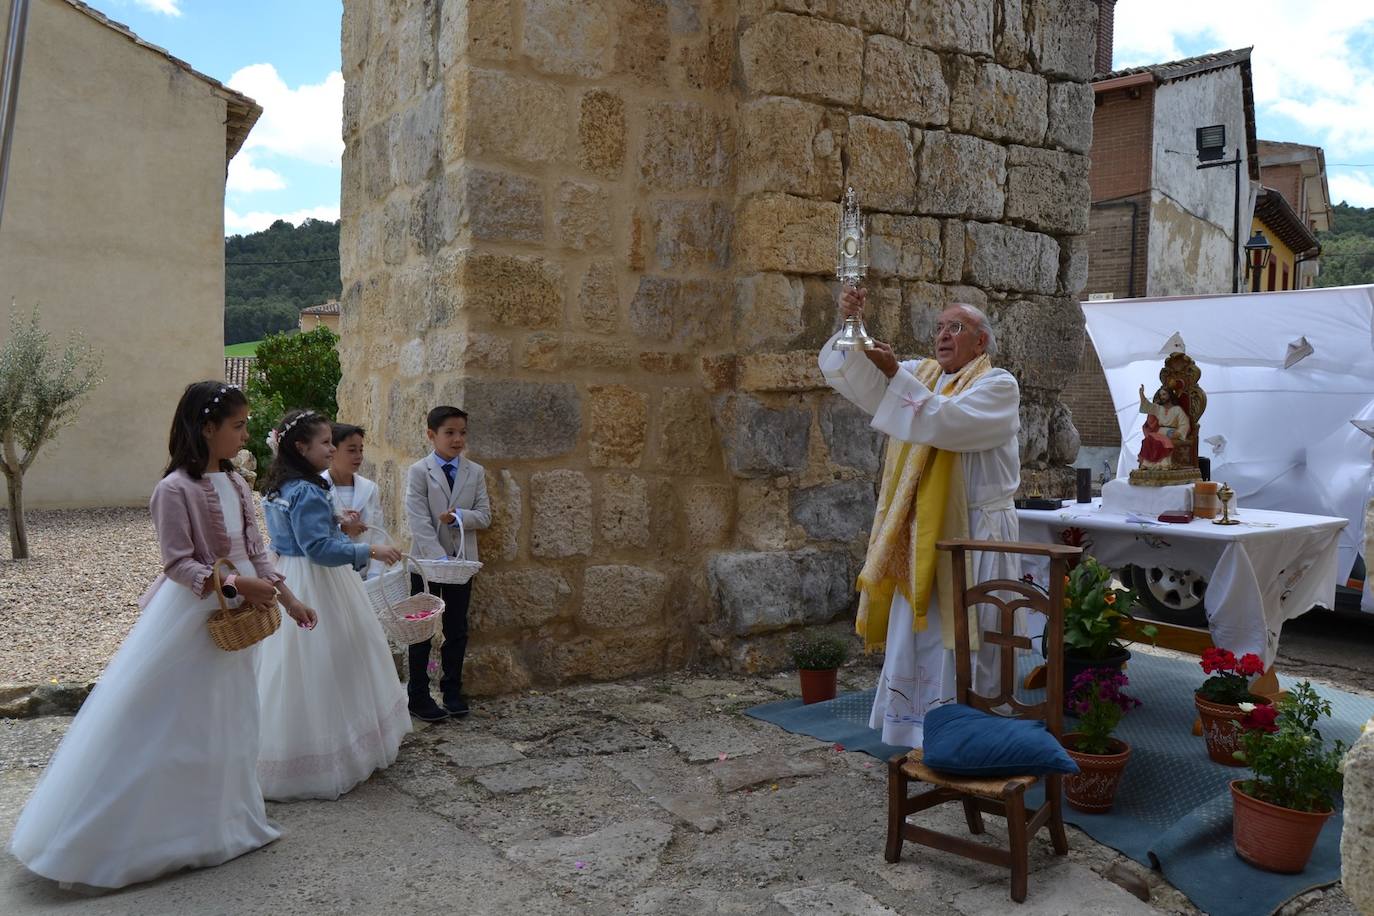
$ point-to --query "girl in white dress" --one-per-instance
(158, 770)
(356, 499)
(357, 713)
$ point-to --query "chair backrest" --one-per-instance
(1010, 596)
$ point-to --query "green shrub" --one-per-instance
(818, 652)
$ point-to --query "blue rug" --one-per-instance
(1173, 811)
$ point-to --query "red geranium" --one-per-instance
(1230, 680)
(1261, 718)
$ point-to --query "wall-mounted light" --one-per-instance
(1211, 142)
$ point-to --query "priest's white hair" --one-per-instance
(982, 323)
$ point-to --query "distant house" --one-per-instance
(1293, 205)
(114, 226)
(325, 314)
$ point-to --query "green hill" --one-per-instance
(1348, 249)
(269, 276)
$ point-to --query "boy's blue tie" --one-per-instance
(449, 471)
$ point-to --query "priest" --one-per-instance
(951, 469)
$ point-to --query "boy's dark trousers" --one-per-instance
(455, 598)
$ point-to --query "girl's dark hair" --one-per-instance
(343, 430)
(201, 403)
(289, 464)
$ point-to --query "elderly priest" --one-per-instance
(951, 469)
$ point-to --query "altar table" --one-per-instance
(1270, 568)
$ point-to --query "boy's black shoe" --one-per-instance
(426, 710)
(457, 706)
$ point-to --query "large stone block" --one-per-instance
(614, 597)
(1004, 257)
(492, 670)
(777, 232)
(887, 16)
(768, 310)
(804, 57)
(1048, 190)
(759, 592)
(882, 165)
(1040, 339)
(708, 64)
(795, 370)
(601, 133)
(619, 422)
(1071, 117)
(1000, 104)
(513, 117)
(517, 598)
(1009, 33)
(603, 355)
(1064, 41)
(510, 290)
(906, 83)
(906, 247)
(569, 37)
(686, 147)
(541, 352)
(841, 511)
(493, 206)
(685, 312)
(691, 234)
(501, 539)
(605, 656)
(952, 25)
(598, 298)
(625, 511)
(762, 516)
(761, 441)
(1357, 836)
(582, 216)
(961, 176)
(644, 41)
(513, 419)
(708, 513)
(476, 30)
(561, 509)
(850, 436)
(417, 143)
(686, 438)
(459, 351)
(788, 145)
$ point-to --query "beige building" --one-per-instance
(114, 226)
(326, 314)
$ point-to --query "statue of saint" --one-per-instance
(1166, 423)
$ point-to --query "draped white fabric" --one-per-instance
(1286, 437)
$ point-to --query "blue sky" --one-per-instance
(1313, 71)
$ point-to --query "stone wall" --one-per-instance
(606, 229)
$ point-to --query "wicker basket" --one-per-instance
(391, 587)
(393, 613)
(243, 626)
(454, 570)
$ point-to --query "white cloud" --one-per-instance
(257, 220)
(165, 7)
(1351, 187)
(1310, 62)
(302, 123)
(245, 175)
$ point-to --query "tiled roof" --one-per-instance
(324, 308)
(1182, 69)
(238, 369)
(242, 112)
(1277, 214)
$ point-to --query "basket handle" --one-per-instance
(219, 582)
(405, 559)
(462, 551)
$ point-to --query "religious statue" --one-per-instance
(1168, 453)
(247, 466)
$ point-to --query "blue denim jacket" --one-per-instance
(301, 523)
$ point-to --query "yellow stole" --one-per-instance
(922, 501)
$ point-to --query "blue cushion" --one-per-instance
(968, 742)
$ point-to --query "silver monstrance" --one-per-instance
(852, 267)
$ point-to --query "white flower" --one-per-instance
(272, 441)
(1246, 707)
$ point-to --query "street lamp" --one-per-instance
(1257, 253)
(1211, 146)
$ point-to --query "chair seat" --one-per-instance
(983, 786)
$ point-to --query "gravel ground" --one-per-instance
(64, 611)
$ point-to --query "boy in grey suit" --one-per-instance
(444, 490)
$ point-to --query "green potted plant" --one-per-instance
(818, 657)
(1095, 617)
(1279, 814)
(1218, 701)
(1099, 704)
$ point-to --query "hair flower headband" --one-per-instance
(214, 401)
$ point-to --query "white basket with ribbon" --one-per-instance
(391, 586)
(454, 570)
(415, 618)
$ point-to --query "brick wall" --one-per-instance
(1110, 239)
(1090, 403)
(1287, 180)
(1122, 131)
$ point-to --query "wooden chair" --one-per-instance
(1000, 796)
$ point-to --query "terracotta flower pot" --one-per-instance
(1093, 787)
(1221, 728)
(1273, 838)
(817, 686)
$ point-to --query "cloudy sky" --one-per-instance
(1313, 66)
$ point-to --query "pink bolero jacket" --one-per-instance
(191, 533)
